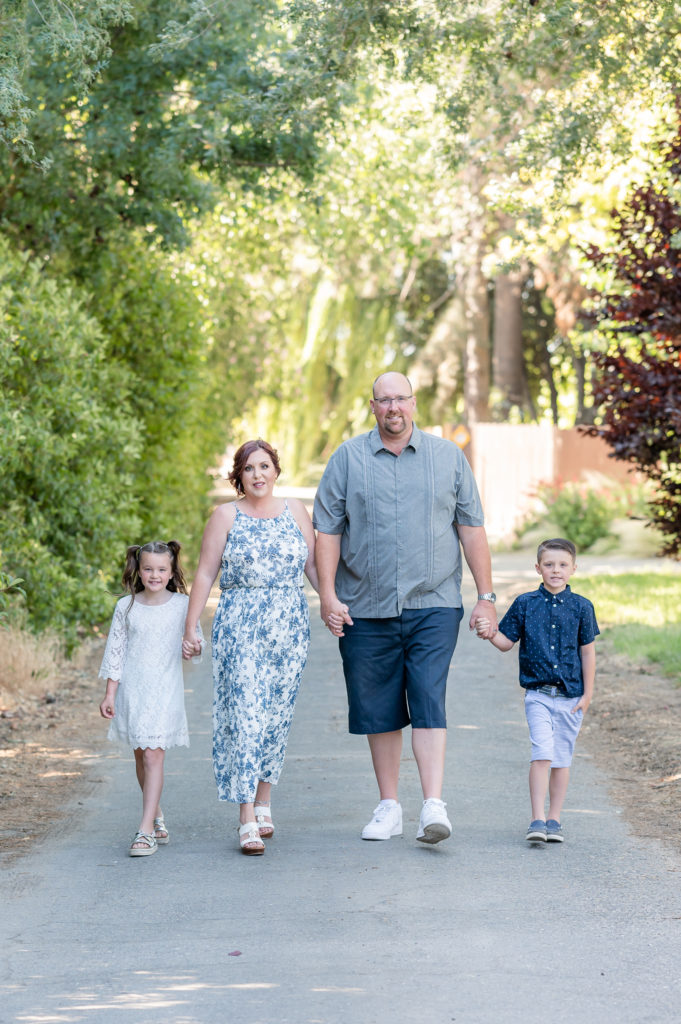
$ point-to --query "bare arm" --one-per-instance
(302, 517)
(476, 552)
(588, 655)
(501, 642)
(327, 555)
(212, 546)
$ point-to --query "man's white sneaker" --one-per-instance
(386, 822)
(434, 825)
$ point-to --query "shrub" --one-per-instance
(582, 514)
(8, 585)
(68, 447)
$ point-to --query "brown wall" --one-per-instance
(575, 453)
(509, 462)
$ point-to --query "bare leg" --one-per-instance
(247, 813)
(558, 784)
(539, 784)
(149, 769)
(386, 750)
(429, 746)
(263, 793)
(139, 766)
(263, 797)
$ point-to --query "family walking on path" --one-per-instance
(483, 927)
(393, 512)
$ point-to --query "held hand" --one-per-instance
(335, 615)
(481, 627)
(484, 611)
(191, 647)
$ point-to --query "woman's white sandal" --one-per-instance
(143, 851)
(265, 828)
(160, 826)
(248, 834)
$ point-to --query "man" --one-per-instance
(393, 510)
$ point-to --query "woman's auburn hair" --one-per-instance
(243, 454)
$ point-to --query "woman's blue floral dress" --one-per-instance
(261, 633)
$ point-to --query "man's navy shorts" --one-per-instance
(396, 669)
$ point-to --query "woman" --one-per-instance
(261, 544)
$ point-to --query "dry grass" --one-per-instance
(29, 665)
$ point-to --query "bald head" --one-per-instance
(393, 406)
(391, 383)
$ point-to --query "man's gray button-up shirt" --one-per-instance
(397, 516)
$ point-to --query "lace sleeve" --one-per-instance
(116, 646)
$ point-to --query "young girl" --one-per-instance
(143, 670)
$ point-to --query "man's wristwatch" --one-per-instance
(487, 597)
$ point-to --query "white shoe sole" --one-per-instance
(378, 839)
(434, 833)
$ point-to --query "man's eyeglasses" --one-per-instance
(385, 403)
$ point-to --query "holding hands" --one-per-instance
(484, 628)
(191, 647)
(335, 615)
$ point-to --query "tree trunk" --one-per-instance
(477, 347)
(547, 373)
(437, 367)
(579, 366)
(508, 360)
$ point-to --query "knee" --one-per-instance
(152, 757)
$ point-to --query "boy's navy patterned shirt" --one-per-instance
(551, 629)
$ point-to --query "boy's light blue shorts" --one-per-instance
(554, 727)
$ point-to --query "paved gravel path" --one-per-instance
(327, 929)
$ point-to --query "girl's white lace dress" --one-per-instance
(144, 652)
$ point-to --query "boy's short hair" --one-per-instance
(557, 542)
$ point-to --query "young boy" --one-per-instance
(557, 661)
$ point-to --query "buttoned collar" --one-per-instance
(377, 444)
(546, 594)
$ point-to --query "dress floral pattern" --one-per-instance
(261, 634)
(144, 652)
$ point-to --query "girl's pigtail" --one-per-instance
(131, 581)
(177, 581)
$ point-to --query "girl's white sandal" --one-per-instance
(248, 834)
(265, 828)
(160, 826)
(143, 851)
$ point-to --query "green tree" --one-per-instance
(77, 32)
(69, 449)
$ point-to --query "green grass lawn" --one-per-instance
(641, 613)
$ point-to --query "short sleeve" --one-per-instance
(588, 627)
(328, 515)
(468, 505)
(513, 622)
(116, 645)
